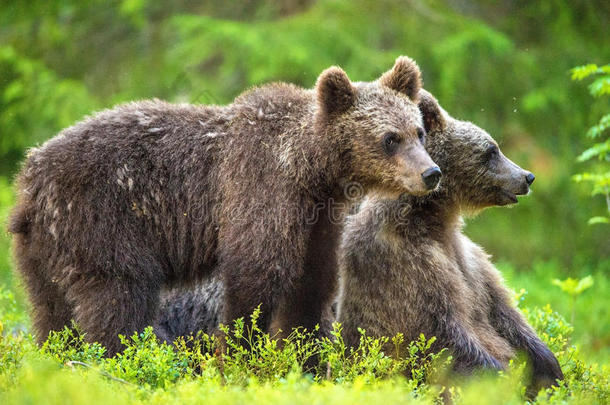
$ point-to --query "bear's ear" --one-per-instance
(404, 77)
(431, 112)
(335, 91)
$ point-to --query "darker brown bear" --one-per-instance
(406, 266)
(151, 194)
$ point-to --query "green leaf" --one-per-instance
(600, 87)
(568, 285)
(597, 130)
(598, 220)
(601, 186)
(574, 287)
(582, 72)
(600, 150)
(584, 284)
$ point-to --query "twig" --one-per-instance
(73, 363)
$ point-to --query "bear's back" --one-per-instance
(144, 132)
(121, 171)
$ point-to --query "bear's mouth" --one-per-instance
(510, 197)
(507, 197)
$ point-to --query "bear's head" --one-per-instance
(477, 174)
(381, 126)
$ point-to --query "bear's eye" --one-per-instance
(421, 134)
(390, 142)
(491, 152)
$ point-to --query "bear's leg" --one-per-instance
(243, 295)
(313, 298)
(107, 307)
(512, 326)
(468, 352)
(260, 271)
(50, 309)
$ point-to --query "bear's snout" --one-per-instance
(525, 181)
(432, 177)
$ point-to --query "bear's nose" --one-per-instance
(431, 177)
(530, 178)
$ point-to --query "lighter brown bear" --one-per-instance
(406, 267)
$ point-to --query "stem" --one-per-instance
(573, 306)
(73, 363)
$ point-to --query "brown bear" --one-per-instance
(151, 194)
(405, 265)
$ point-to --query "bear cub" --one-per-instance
(405, 265)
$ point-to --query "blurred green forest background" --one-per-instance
(504, 65)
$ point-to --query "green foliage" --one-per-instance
(12, 300)
(574, 287)
(256, 368)
(551, 327)
(248, 355)
(266, 358)
(146, 362)
(40, 381)
(11, 318)
(6, 201)
(13, 349)
(370, 362)
(583, 383)
(600, 134)
(68, 345)
(589, 333)
(596, 131)
(34, 103)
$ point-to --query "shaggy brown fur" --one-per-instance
(151, 194)
(406, 266)
(186, 311)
